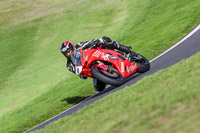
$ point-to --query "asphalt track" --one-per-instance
(185, 48)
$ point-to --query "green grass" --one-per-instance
(167, 101)
(33, 79)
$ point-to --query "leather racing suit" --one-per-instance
(104, 42)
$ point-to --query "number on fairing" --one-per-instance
(78, 69)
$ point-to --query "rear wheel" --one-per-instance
(141, 61)
(108, 77)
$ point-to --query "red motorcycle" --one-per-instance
(108, 66)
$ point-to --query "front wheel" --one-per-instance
(111, 78)
(141, 61)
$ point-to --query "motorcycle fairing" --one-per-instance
(121, 63)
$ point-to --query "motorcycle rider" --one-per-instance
(68, 47)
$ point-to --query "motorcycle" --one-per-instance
(107, 66)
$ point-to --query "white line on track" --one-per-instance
(179, 42)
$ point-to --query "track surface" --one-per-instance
(185, 48)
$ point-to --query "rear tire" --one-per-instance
(96, 72)
(142, 62)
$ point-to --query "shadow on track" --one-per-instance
(74, 100)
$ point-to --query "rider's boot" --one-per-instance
(98, 85)
(125, 49)
(122, 47)
(129, 54)
(115, 45)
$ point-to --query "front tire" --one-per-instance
(100, 75)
